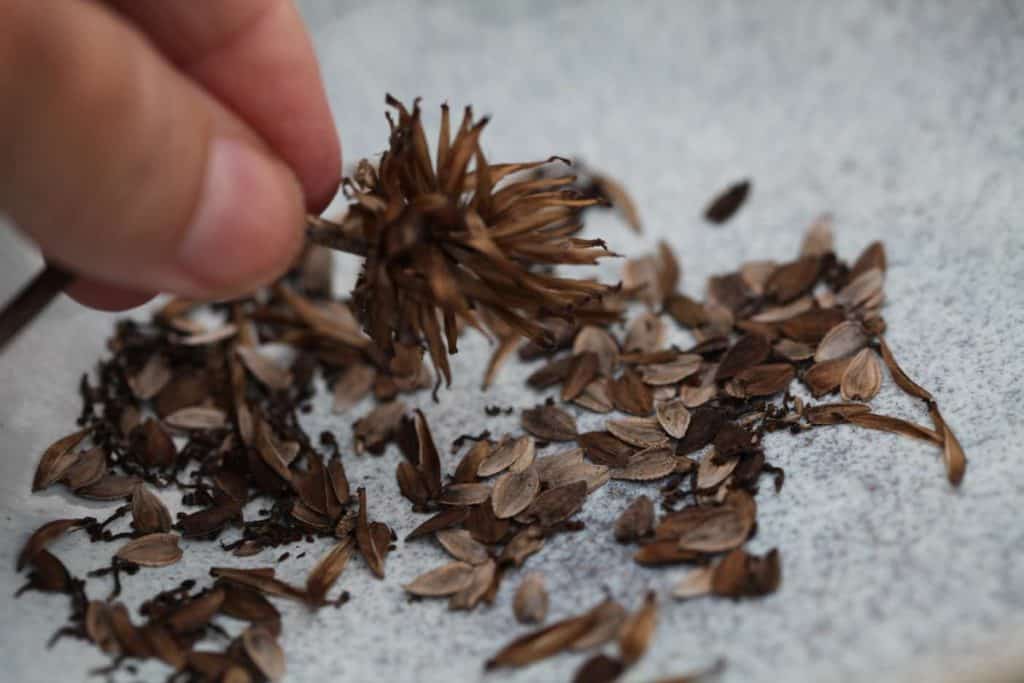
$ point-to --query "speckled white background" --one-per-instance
(903, 119)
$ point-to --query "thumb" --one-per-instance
(126, 172)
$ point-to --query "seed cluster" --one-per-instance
(210, 411)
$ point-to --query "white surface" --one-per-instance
(903, 119)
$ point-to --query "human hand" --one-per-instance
(153, 146)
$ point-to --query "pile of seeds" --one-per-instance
(204, 400)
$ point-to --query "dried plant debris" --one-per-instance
(728, 202)
(192, 432)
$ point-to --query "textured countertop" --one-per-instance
(905, 120)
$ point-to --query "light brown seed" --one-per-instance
(843, 340)
(755, 275)
(530, 603)
(675, 371)
(461, 545)
(326, 571)
(353, 385)
(863, 377)
(267, 371)
(873, 257)
(636, 521)
(506, 453)
(649, 464)
(693, 397)
(90, 467)
(513, 492)
(673, 417)
(630, 395)
(643, 432)
(695, 584)
(465, 494)
(596, 339)
(196, 417)
(640, 279)
(825, 377)
(582, 371)
(637, 630)
(262, 648)
(57, 459)
(793, 350)
(445, 580)
(550, 423)
(607, 622)
(154, 376)
(645, 333)
(764, 380)
(596, 397)
(710, 474)
(483, 579)
(151, 550)
(149, 514)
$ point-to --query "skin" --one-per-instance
(151, 146)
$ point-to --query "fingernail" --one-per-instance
(247, 227)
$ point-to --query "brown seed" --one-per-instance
(353, 385)
(591, 338)
(261, 579)
(429, 462)
(606, 449)
(812, 326)
(505, 453)
(825, 377)
(461, 545)
(765, 380)
(538, 645)
(376, 428)
(214, 336)
(742, 574)
(818, 239)
(158, 448)
(643, 432)
(99, 628)
(268, 372)
(265, 653)
(154, 376)
(664, 552)
(196, 418)
(616, 194)
(442, 520)
(57, 459)
(834, 413)
(90, 467)
(326, 571)
(640, 279)
(862, 291)
(793, 279)
(711, 473)
(637, 629)
(952, 452)
(556, 504)
(724, 205)
(371, 551)
(527, 542)
(513, 492)
(705, 423)
(645, 333)
(530, 604)
(842, 341)
(607, 622)
(693, 397)
(902, 380)
(599, 669)
(630, 395)
(110, 487)
(863, 377)
(712, 529)
(44, 536)
(685, 311)
(152, 550)
(554, 372)
(660, 374)
(502, 352)
(596, 397)
(872, 258)
(649, 464)
(209, 520)
(636, 521)
(149, 514)
(673, 417)
(484, 577)
(886, 423)
(466, 472)
(695, 584)
(792, 351)
(749, 351)
(445, 580)
(550, 423)
(411, 483)
(196, 613)
(582, 371)
(338, 481)
(465, 494)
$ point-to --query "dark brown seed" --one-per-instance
(630, 395)
(265, 653)
(196, 613)
(484, 526)
(149, 514)
(582, 371)
(550, 423)
(636, 521)
(902, 380)
(57, 459)
(110, 487)
(825, 377)
(157, 446)
(466, 472)
(637, 629)
(885, 423)
(513, 492)
(605, 449)
(338, 481)
(749, 351)
(530, 603)
(465, 494)
(723, 206)
(44, 536)
(551, 374)
(873, 257)
(705, 423)
(765, 380)
(429, 463)
(152, 550)
(208, 521)
(556, 504)
(411, 484)
(246, 604)
(442, 520)
(685, 311)
(812, 326)
(538, 645)
(599, 669)
(649, 464)
(664, 552)
(596, 397)
(793, 279)
(741, 574)
(371, 551)
(446, 580)
(90, 467)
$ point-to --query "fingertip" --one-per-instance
(106, 297)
